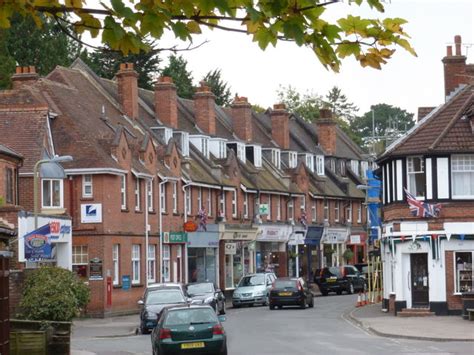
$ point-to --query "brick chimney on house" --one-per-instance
(455, 69)
(24, 76)
(423, 112)
(242, 118)
(166, 102)
(128, 89)
(280, 126)
(204, 107)
(326, 128)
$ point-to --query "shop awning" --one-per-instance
(314, 235)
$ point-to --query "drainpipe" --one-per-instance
(186, 244)
(146, 230)
(160, 214)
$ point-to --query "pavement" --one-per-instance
(433, 328)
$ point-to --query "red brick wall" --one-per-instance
(128, 89)
(280, 126)
(242, 118)
(451, 212)
(454, 301)
(327, 136)
(204, 110)
(166, 106)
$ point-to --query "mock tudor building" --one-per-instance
(166, 189)
(427, 257)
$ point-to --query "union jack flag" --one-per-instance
(422, 209)
(303, 220)
(202, 215)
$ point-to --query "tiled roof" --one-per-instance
(8, 151)
(445, 130)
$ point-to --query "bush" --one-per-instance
(348, 255)
(54, 294)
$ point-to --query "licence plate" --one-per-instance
(196, 345)
(285, 293)
(331, 280)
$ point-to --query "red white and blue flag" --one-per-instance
(422, 209)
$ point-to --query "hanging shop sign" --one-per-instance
(190, 226)
(230, 248)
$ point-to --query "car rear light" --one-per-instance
(165, 333)
(218, 329)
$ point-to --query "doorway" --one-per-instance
(419, 280)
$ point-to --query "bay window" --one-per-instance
(416, 176)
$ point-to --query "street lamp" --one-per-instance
(55, 159)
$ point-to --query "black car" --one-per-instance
(155, 300)
(341, 278)
(206, 293)
(290, 291)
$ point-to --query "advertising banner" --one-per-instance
(38, 244)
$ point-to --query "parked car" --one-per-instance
(170, 285)
(253, 289)
(206, 293)
(341, 278)
(187, 329)
(155, 300)
(290, 291)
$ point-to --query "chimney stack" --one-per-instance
(166, 102)
(242, 118)
(204, 107)
(24, 76)
(326, 129)
(128, 89)
(280, 126)
(454, 67)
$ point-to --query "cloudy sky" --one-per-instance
(407, 82)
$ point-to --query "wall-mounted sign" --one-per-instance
(125, 282)
(230, 248)
(190, 226)
(263, 209)
(91, 213)
(95, 269)
(355, 239)
(175, 237)
(240, 235)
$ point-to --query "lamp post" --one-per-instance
(366, 188)
(55, 159)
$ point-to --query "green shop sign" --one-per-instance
(175, 237)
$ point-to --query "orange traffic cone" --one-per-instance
(359, 301)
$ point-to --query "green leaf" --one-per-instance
(292, 29)
(180, 30)
(193, 27)
(346, 49)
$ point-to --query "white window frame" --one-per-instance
(246, 205)
(320, 165)
(359, 213)
(149, 183)
(342, 167)
(234, 203)
(462, 164)
(314, 214)
(51, 183)
(151, 260)
(355, 167)
(364, 166)
(349, 212)
(303, 203)
(293, 160)
(87, 184)
(222, 204)
(116, 263)
(123, 191)
(136, 263)
(278, 208)
(199, 199)
(326, 210)
(291, 210)
(166, 262)
(337, 210)
(80, 255)
(209, 202)
(137, 195)
(276, 158)
(163, 198)
(175, 196)
(457, 290)
(411, 175)
(189, 206)
(309, 160)
(269, 202)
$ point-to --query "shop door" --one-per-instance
(419, 280)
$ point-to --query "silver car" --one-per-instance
(252, 289)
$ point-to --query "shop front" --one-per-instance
(312, 244)
(203, 255)
(174, 256)
(357, 243)
(236, 254)
(271, 255)
(333, 246)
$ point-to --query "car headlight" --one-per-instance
(236, 295)
(208, 300)
(196, 302)
(151, 315)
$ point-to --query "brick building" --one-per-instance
(147, 162)
(428, 260)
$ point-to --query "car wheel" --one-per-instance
(272, 307)
(280, 307)
(350, 289)
(324, 293)
(144, 330)
(339, 292)
(303, 304)
(222, 311)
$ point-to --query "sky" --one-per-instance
(406, 81)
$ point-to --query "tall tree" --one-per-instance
(340, 105)
(106, 62)
(182, 78)
(389, 122)
(124, 24)
(218, 87)
(25, 44)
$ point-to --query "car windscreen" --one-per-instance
(199, 289)
(164, 297)
(331, 272)
(282, 284)
(190, 316)
(252, 281)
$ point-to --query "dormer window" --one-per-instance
(364, 166)
(276, 158)
(183, 142)
(462, 167)
(253, 153)
(355, 167)
(217, 146)
(416, 176)
(201, 143)
(320, 164)
(342, 167)
(164, 133)
(292, 160)
(309, 160)
(332, 165)
(239, 150)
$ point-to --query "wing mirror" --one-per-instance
(140, 302)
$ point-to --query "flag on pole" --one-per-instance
(422, 209)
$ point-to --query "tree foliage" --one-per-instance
(24, 44)
(123, 25)
(218, 87)
(182, 78)
(340, 105)
(54, 294)
(106, 62)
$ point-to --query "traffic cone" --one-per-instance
(359, 300)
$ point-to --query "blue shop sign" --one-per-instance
(125, 282)
(313, 235)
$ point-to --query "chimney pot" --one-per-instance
(325, 113)
(455, 68)
(280, 106)
(457, 42)
(165, 79)
(23, 76)
(449, 51)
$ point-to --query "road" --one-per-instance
(259, 331)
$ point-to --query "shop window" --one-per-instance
(416, 176)
(80, 260)
(137, 195)
(116, 262)
(151, 263)
(150, 194)
(52, 193)
(464, 275)
(135, 264)
(87, 191)
(123, 191)
(462, 167)
(166, 262)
